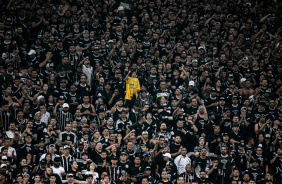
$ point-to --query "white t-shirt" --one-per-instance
(10, 151)
(59, 170)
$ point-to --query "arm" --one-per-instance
(113, 109)
(218, 72)
(273, 160)
(55, 109)
(205, 110)
(258, 130)
(93, 111)
(264, 18)
(126, 77)
(111, 100)
(176, 154)
(48, 57)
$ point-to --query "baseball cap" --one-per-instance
(201, 47)
(65, 105)
(225, 134)
(3, 165)
(70, 175)
(83, 118)
(61, 97)
(123, 153)
(57, 158)
(39, 97)
(230, 75)
(63, 80)
(169, 164)
(144, 132)
(148, 168)
(114, 158)
(191, 83)
(26, 174)
(241, 144)
(31, 52)
(213, 90)
(167, 155)
(222, 98)
(67, 147)
(123, 173)
(43, 161)
(4, 158)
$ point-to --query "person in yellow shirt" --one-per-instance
(132, 85)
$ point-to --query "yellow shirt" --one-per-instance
(132, 84)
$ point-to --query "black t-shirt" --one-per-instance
(240, 160)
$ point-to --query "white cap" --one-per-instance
(110, 119)
(167, 155)
(31, 52)
(3, 165)
(243, 79)
(120, 8)
(39, 97)
(191, 83)
(201, 47)
(65, 105)
(4, 157)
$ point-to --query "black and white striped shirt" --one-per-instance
(188, 178)
(62, 119)
(68, 137)
(6, 117)
(147, 101)
(66, 162)
(114, 172)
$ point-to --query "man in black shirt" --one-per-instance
(136, 170)
(254, 171)
(225, 163)
(212, 101)
(235, 136)
(214, 175)
(123, 178)
(137, 126)
(203, 179)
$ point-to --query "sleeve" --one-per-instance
(176, 160)
(138, 85)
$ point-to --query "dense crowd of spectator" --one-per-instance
(141, 91)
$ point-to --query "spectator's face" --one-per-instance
(202, 175)
(203, 152)
(235, 119)
(223, 150)
(70, 179)
(216, 129)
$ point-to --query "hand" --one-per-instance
(202, 102)
(218, 139)
(214, 164)
(134, 179)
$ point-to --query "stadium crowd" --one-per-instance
(140, 91)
